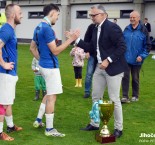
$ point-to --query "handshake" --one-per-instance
(73, 34)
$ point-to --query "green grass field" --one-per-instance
(72, 109)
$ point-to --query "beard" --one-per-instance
(16, 21)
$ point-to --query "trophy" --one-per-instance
(106, 110)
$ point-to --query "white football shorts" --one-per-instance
(53, 80)
(7, 88)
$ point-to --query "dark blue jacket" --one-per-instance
(111, 44)
(88, 35)
(137, 42)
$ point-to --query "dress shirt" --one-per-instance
(98, 35)
(98, 51)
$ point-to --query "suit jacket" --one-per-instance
(148, 26)
(88, 34)
(111, 44)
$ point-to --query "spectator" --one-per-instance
(138, 46)
(78, 55)
(91, 62)
(115, 21)
(147, 25)
(39, 81)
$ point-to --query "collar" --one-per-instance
(101, 23)
(48, 21)
(138, 26)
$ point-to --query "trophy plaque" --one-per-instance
(106, 110)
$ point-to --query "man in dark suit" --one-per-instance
(147, 25)
(108, 45)
(90, 63)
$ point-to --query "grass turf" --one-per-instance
(71, 112)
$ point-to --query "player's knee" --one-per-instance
(51, 98)
(2, 110)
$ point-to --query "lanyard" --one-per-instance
(48, 21)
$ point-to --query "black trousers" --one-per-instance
(78, 72)
(135, 71)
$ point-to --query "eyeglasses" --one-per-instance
(94, 15)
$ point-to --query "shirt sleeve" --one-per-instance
(5, 35)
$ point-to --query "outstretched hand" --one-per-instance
(72, 34)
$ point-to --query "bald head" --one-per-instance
(135, 13)
(134, 18)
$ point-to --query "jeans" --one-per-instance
(89, 74)
(134, 70)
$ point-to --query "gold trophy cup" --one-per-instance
(106, 110)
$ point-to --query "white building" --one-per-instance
(74, 14)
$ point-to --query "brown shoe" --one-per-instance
(14, 128)
(4, 136)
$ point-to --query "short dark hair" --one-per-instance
(49, 7)
(146, 18)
